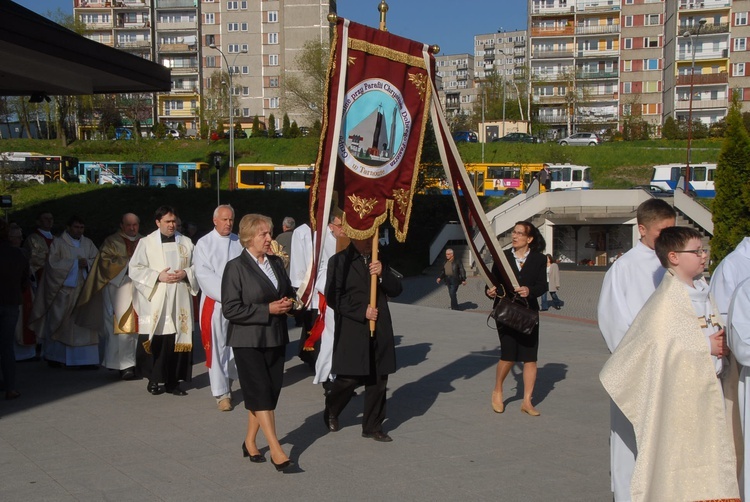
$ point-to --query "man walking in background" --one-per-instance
(453, 275)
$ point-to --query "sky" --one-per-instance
(442, 22)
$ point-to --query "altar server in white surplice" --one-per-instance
(212, 252)
(325, 357)
(164, 279)
(630, 281)
(732, 270)
(738, 327)
(68, 264)
(106, 302)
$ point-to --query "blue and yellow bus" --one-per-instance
(275, 177)
(161, 174)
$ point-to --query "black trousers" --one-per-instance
(163, 365)
(375, 386)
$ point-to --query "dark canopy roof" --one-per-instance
(40, 56)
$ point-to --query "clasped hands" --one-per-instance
(171, 277)
(718, 341)
(280, 306)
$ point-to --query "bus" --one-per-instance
(38, 167)
(570, 177)
(158, 174)
(666, 176)
(275, 177)
(501, 178)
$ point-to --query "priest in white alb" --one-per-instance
(738, 329)
(106, 302)
(732, 270)
(212, 252)
(70, 259)
(162, 272)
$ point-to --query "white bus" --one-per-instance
(570, 177)
(702, 175)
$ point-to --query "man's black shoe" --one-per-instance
(378, 436)
(154, 389)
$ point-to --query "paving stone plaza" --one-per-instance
(86, 435)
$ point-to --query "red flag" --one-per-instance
(377, 104)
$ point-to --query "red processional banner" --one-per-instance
(377, 106)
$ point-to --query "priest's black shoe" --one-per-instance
(377, 436)
(154, 389)
(177, 391)
(332, 423)
(128, 374)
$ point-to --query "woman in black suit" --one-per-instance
(256, 295)
(530, 267)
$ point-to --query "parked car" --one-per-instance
(581, 139)
(465, 137)
(172, 133)
(241, 134)
(304, 131)
(123, 133)
(654, 190)
(517, 137)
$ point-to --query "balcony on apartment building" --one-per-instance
(174, 4)
(707, 29)
(701, 104)
(543, 8)
(125, 25)
(129, 5)
(592, 75)
(134, 44)
(181, 67)
(604, 29)
(596, 119)
(704, 79)
(597, 6)
(551, 54)
(552, 31)
(540, 99)
(552, 76)
(704, 4)
(183, 25)
(92, 4)
(184, 113)
(175, 48)
(597, 53)
(600, 96)
(184, 87)
(99, 26)
(550, 119)
(701, 55)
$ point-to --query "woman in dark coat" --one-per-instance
(530, 267)
(358, 358)
(256, 296)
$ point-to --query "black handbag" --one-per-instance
(515, 313)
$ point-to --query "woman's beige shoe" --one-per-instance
(225, 405)
(497, 407)
(530, 410)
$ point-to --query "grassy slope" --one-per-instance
(613, 165)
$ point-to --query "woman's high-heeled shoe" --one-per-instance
(253, 458)
(497, 407)
(530, 410)
(282, 466)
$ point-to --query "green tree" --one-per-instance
(304, 87)
(286, 126)
(670, 129)
(731, 212)
(294, 131)
(256, 127)
(271, 126)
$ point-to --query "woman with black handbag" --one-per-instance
(530, 268)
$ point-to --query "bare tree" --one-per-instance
(304, 88)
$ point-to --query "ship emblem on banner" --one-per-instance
(378, 98)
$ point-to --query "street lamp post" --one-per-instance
(689, 35)
(231, 110)
(503, 70)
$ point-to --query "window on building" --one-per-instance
(233, 5)
(273, 60)
(243, 5)
(233, 26)
(246, 112)
(245, 91)
(210, 39)
(738, 69)
(211, 61)
(234, 70)
(740, 44)
(651, 20)
(273, 38)
(273, 16)
(651, 42)
(652, 86)
(740, 18)
(233, 48)
(627, 87)
(626, 109)
(650, 64)
(273, 81)
(209, 18)
(650, 108)
(628, 21)
(627, 43)
(273, 102)
(245, 70)
(627, 65)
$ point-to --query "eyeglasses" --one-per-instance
(696, 252)
(522, 234)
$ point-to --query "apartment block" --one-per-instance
(456, 89)
(574, 53)
(261, 40)
(739, 45)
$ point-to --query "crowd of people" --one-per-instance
(680, 348)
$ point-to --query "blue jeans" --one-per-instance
(556, 302)
(8, 320)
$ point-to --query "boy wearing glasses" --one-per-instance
(665, 376)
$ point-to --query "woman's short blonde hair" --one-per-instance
(249, 227)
